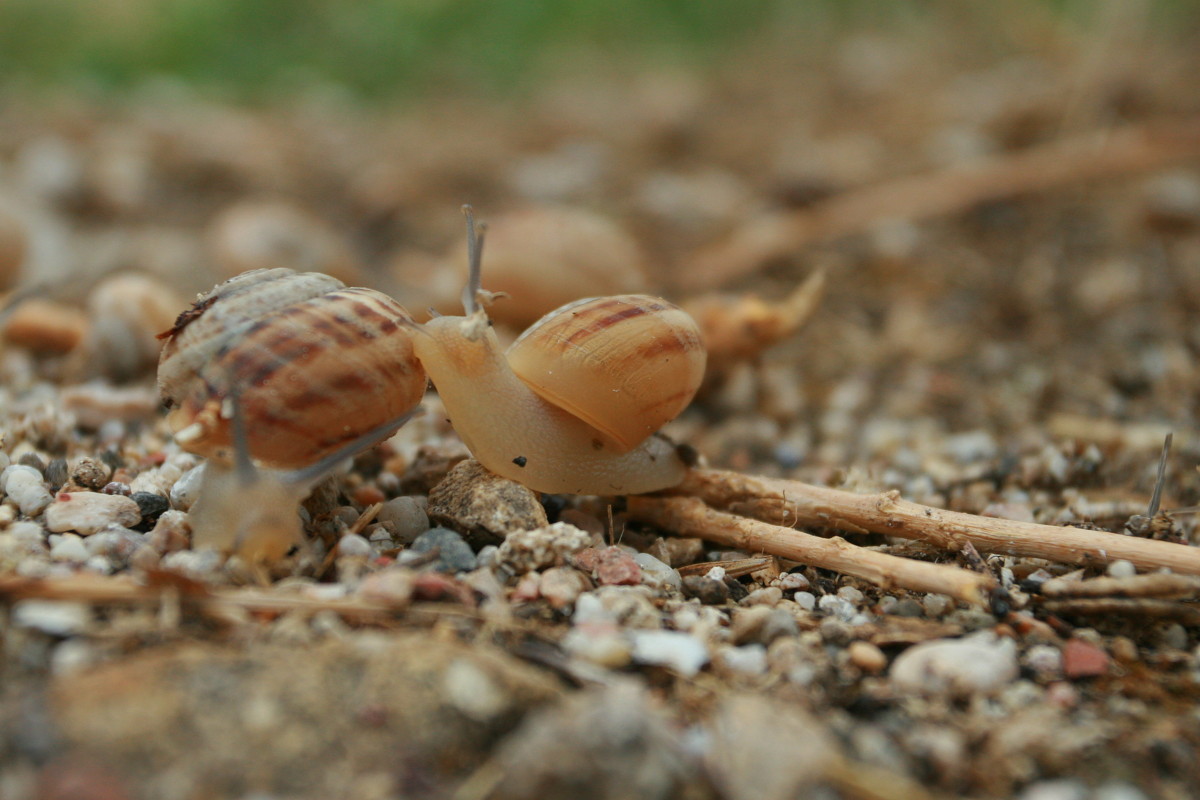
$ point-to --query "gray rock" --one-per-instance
(454, 554)
(977, 664)
(407, 517)
(185, 490)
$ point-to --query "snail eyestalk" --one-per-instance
(470, 299)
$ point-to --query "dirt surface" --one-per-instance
(1015, 348)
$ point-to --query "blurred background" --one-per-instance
(188, 140)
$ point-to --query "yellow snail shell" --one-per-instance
(316, 364)
(625, 365)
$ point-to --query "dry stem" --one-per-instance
(689, 516)
(794, 503)
(1101, 154)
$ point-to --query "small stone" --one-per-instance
(393, 586)
(150, 505)
(57, 618)
(1082, 659)
(483, 506)
(1173, 635)
(1117, 790)
(68, 547)
(354, 546)
(56, 472)
(473, 692)
(706, 590)
(793, 581)
(978, 664)
(836, 632)
(116, 544)
(680, 652)
(615, 567)
(1044, 661)
(116, 487)
(549, 546)
(90, 473)
(1124, 649)
(25, 487)
(716, 573)
(34, 461)
(170, 533)
(867, 657)
(562, 585)
(749, 659)
(936, 605)
(657, 573)
(407, 517)
(681, 552)
(851, 595)
(600, 644)
(767, 596)
(89, 512)
(454, 554)
(528, 588)
(806, 600)
(197, 564)
(1121, 569)
(1061, 789)
(836, 607)
(908, 607)
(185, 490)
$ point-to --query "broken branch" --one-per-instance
(688, 516)
(792, 503)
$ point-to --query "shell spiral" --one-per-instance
(315, 364)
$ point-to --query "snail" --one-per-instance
(574, 406)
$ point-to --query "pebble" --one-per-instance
(936, 605)
(197, 564)
(750, 659)
(761, 624)
(150, 505)
(55, 617)
(836, 607)
(28, 535)
(561, 586)
(682, 551)
(454, 554)
(484, 506)
(1044, 661)
(611, 566)
(407, 517)
(1082, 659)
(867, 657)
(90, 473)
(115, 543)
(68, 547)
(1061, 789)
(908, 607)
(354, 546)
(1117, 790)
(170, 532)
(393, 586)
(978, 664)
(851, 595)
(185, 490)
(806, 600)
(767, 596)
(680, 652)
(528, 588)
(705, 589)
(1121, 569)
(793, 581)
(89, 512)
(548, 546)
(656, 572)
(600, 644)
(24, 486)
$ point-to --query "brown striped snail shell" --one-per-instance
(316, 365)
(626, 365)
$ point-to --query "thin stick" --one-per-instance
(794, 503)
(1161, 585)
(1101, 154)
(688, 516)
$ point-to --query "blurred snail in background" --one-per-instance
(574, 406)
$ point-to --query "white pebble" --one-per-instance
(657, 573)
(716, 574)
(1121, 569)
(981, 663)
(806, 600)
(197, 564)
(750, 659)
(68, 548)
(836, 607)
(72, 656)
(681, 652)
(526, 551)
(851, 595)
(354, 545)
(793, 581)
(27, 489)
(57, 618)
(590, 609)
(1044, 661)
(90, 512)
(185, 490)
(1060, 789)
(935, 605)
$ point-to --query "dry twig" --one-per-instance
(1184, 613)
(793, 503)
(1101, 154)
(1161, 585)
(689, 516)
